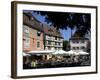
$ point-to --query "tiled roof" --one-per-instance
(34, 23)
(30, 21)
(51, 31)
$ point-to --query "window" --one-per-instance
(59, 39)
(33, 40)
(49, 42)
(26, 42)
(82, 41)
(74, 48)
(59, 48)
(74, 41)
(56, 38)
(38, 33)
(55, 43)
(26, 34)
(46, 37)
(38, 44)
(77, 41)
(82, 47)
(32, 32)
(26, 31)
(55, 48)
(59, 44)
(49, 48)
(46, 42)
(77, 47)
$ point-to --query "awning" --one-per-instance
(25, 54)
(83, 53)
(71, 52)
(41, 52)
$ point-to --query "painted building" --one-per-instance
(32, 34)
(52, 38)
(79, 43)
(37, 36)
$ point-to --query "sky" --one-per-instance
(65, 33)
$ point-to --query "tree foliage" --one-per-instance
(65, 45)
(63, 20)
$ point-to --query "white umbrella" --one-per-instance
(26, 54)
(72, 52)
(56, 52)
(59, 52)
(62, 51)
(83, 53)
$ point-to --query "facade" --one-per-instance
(79, 44)
(53, 42)
(38, 37)
(52, 38)
(32, 34)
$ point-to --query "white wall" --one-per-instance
(79, 44)
(5, 40)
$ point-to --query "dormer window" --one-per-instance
(50, 30)
(38, 33)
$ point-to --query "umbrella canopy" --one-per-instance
(71, 52)
(41, 52)
(59, 52)
(25, 54)
(83, 53)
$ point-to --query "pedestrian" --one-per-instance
(34, 63)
